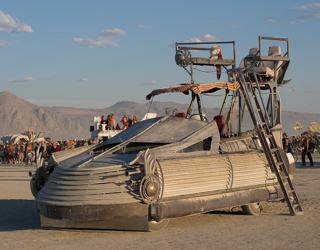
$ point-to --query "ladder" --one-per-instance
(260, 118)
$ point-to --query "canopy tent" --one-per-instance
(15, 138)
(195, 88)
(315, 128)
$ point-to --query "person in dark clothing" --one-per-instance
(306, 151)
(285, 142)
(129, 121)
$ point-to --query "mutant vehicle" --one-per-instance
(100, 131)
(182, 163)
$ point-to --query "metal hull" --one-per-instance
(118, 217)
(191, 186)
(136, 216)
(183, 207)
(110, 189)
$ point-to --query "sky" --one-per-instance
(93, 54)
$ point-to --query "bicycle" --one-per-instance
(296, 153)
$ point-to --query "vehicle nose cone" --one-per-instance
(152, 189)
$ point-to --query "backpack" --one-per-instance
(311, 145)
(290, 147)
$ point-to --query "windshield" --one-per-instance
(134, 148)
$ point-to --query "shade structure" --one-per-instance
(195, 88)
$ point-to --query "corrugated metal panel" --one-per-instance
(224, 173)
(112, 185)
(182, 176)
(196, 175)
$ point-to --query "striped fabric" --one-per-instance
(195, 88)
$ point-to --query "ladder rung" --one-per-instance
(279, 163)
(274, 193)
(291, 191)
(273, 150)
(285, 177)
(271, 178)
(261, 125)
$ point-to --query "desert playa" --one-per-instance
(274, 228)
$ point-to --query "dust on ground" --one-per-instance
(229, 229)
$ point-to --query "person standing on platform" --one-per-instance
(111, 122)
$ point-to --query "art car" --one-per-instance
(182, 163)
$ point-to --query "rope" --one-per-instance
(212, 95)
(150, 104)
(291, 90)
(209, 72)
(203, 109)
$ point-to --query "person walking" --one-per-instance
(21, 153)
(306, 151)
(28, 154)
(11, 153)
(2, 159)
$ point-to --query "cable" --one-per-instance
(209, 72)
(150, 104)
(291, 90)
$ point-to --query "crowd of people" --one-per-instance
(126, 121)
(305, 144)
(21, 152)
(25, 152)
(109, 121)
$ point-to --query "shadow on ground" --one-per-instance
(18, 215)
(316, 163)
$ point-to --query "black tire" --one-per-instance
(33, 186)
(252, 208)
(157, 226)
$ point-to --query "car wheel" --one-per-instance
(252, 208)
(157, 226)
(33, 186)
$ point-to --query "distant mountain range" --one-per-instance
(17, 115)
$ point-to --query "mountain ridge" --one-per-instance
(17, 115)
